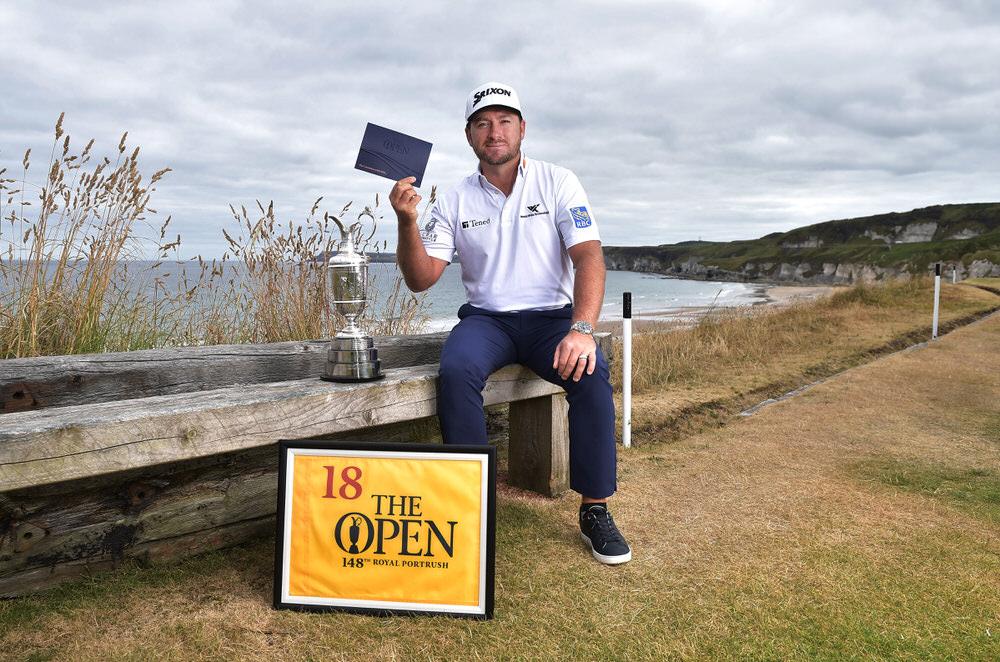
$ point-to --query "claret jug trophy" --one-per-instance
(352, 356)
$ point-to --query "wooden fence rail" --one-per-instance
(158, 454)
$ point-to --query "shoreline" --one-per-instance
(762, 295)
(776, 296)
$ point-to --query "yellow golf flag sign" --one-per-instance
(386, 528)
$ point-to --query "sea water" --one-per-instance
(654, 296)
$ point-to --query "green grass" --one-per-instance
(829, 604)
(973, 490)
(848, 241)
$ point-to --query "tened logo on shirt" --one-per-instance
(581, 217)
(467, 225)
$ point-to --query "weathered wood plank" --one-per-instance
(67, 443)
(41, 577)
(190, 506)
(59, 381)
(179, 456)
(55, 532)
(539, 445)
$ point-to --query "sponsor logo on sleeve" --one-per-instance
(428, 234)
(581, 217)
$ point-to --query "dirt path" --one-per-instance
(813, 472)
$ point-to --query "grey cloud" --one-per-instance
(683, 119)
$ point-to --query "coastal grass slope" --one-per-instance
(963, 236)
(856, 520)
(685, 377)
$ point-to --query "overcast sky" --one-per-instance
(686, 119)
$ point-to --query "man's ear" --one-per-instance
(468, 135)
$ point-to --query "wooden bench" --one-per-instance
(162, 453)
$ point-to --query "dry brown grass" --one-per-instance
(61, 245)
(687, 376)
(785, 535)
(271, 284)
(83, 271)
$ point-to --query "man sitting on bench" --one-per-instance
(521, 227)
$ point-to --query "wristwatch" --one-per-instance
(582, 326)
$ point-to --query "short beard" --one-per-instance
(512, 154)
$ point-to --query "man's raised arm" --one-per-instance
(420, 270)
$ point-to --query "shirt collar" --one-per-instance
(521, 168)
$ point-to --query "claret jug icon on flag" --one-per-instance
(386, 528)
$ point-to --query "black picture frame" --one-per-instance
(375, 529)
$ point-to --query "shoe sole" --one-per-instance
(608, 560)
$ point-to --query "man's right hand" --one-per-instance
(404, 200)
(420, 271)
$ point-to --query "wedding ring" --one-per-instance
(583, 357)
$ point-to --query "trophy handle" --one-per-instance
(369, 213)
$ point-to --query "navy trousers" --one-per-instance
(485, 341)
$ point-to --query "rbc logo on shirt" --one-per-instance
(581, 217)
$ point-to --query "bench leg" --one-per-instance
(539, 445)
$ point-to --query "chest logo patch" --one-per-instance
(468, 225)
(534, 210)
(581, 217)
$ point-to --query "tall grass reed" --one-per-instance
(63, 246)
(83, 269)
(271, 284)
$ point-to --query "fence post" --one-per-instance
(627, 369)
(937, 298)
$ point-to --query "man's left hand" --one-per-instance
(576, 353)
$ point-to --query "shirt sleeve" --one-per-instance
(574, 218)
(438, 234)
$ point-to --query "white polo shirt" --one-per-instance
(513, 250)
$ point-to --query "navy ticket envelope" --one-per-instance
(392, 154)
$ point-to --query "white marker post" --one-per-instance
(627, 369)
(937, 298)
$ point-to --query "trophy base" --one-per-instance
(352, 359)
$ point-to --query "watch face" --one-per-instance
(582, 327)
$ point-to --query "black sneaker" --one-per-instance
(597, 528)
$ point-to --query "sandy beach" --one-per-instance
(785, 295)
(766, 295)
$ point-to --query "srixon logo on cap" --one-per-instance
(488, 91)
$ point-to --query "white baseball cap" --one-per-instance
(491, 94)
